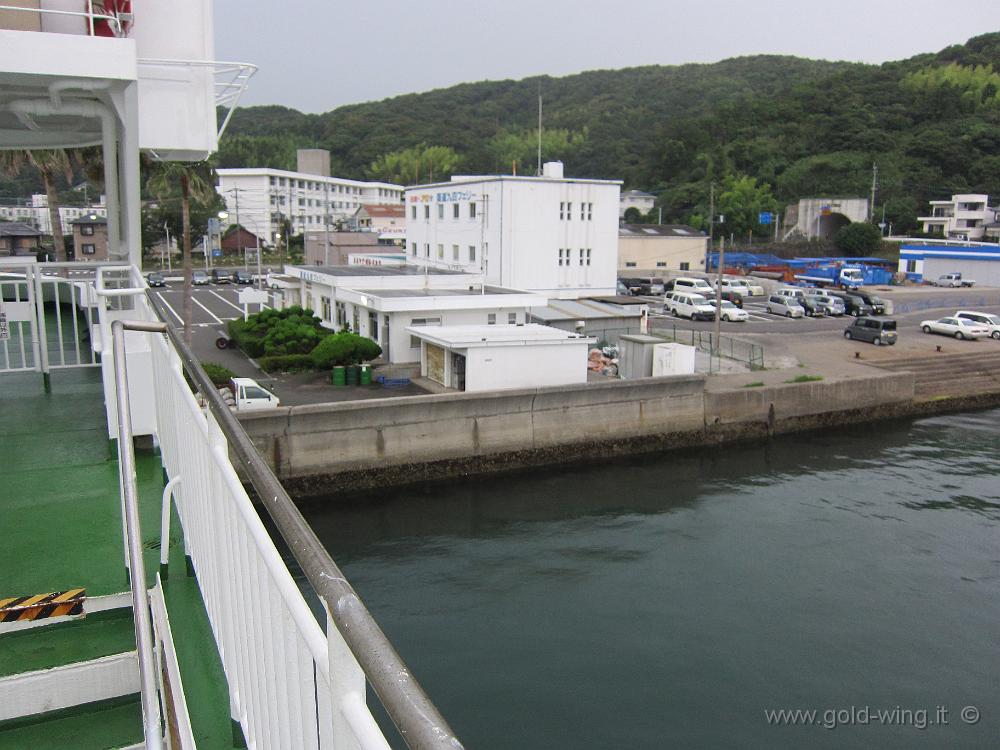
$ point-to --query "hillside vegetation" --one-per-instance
(800, 127)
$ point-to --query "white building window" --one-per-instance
(427, 213)
(413, 249)
(562, 210)
(569, 211)
(440, 251)
(454, 252)
(661, 264)
(455, 210)
(472, 210)
(631, 264)
(440, 210)
(590, 211)
(472, 253)
(685, 266)
(581, 256)
(588, 256)
(583, 211)
(561, 251)
(491, 319)
(511, 318)
(427, 249)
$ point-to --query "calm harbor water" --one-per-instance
(672, 600)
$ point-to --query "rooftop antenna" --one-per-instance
(538, 171)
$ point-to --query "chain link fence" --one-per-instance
(729, 348)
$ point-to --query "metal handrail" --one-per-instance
(136, 567)
(89, 16)
(418, 720)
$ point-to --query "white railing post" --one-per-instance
(347, 684)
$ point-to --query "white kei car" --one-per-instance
(990, 321)
(960, 328)
(732, 313)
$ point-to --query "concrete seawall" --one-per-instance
(322, 448)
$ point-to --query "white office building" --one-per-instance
(552, 235)
(637, 199)
(964, 217)
(262, 197)
(382, 302)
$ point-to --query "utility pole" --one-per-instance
(538, 171)
(239, 232)
(326, 224)
(716, 343)
(871, 206)
(711, 222)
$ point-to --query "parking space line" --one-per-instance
(173, 312)
(195, 300)
(238, 308)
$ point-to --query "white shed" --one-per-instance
(495, 357)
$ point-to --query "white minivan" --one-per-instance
(698, 286)
(689, 305)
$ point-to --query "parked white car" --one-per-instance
(688, 284)
(992, 322)
(688, 305)
(960, 328)
(737, 286)
(732, 313)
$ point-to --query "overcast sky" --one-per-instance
(315, 55)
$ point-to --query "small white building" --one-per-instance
(964, 217)
(549, 234)
(487, 358)
(640, 201)
(382, 302)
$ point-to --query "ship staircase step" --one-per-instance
(71, 683)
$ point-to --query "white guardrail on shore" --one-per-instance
(286, 689)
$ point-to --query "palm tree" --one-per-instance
(193, 180)
(50, 163)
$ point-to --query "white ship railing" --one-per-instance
(292, 684)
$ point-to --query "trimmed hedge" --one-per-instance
(294, 330)
(344, 349)
(286, 363)
(218, 374)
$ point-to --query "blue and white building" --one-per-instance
(977, 261)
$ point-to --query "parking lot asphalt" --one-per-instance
(214, 305)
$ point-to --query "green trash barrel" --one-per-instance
(353, 372)
(339, 375)
(366, 374)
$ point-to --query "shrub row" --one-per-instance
(286, 363)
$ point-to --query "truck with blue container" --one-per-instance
(844, 277)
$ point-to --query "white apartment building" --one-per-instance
(307, 200)
(548, 234)
(37, 213)
(964, 217)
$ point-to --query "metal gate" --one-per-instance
(47, 315)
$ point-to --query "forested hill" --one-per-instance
(803, 127)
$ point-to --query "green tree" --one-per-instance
(508, 148)
(413, 165)
(49, 163)
(741, 202)
(633, 215)
(344, 348)
(858, 239)
(170, 181)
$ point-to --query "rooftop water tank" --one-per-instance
(553, 169)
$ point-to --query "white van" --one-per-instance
(698, 286)
(688, 305)
(736, 286)
(250, 396)
(791, 291)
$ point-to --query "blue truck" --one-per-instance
(845, 277)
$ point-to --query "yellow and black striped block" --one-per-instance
(40, 606)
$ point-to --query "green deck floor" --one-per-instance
(60, 516)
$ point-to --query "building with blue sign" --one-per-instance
(926, 261)
(549, 234)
